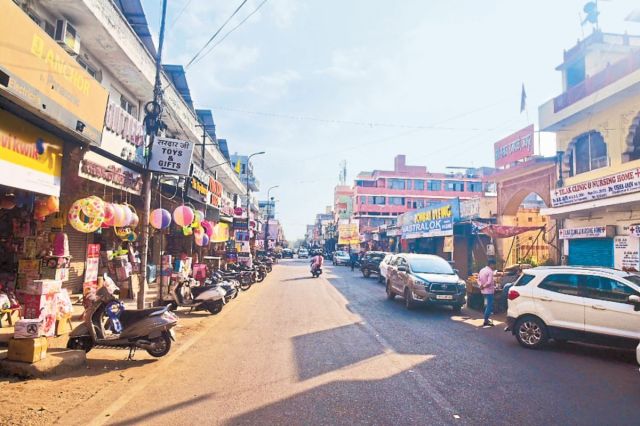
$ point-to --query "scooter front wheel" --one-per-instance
(160, 346)
(83, 343)
(214, 307)
(244, 286)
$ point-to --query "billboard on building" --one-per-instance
(348, 234)
(515, 147)
(435, 221)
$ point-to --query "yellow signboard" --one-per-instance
(30, 158)
(348, 234)
(220, 233)
(43, 75)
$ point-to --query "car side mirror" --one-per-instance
(634, 299)
(403, 268)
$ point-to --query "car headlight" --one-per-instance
(420, 281)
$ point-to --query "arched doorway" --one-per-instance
(632, 149)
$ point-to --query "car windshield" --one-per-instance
(635, 279)
(430, 265)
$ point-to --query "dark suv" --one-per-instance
(370, 263)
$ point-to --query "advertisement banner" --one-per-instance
(620, 183)
(435, 221)
(220, 233)
(586, 232)
(123, 135)
(470, 209)
(348, 234)
(515, 147)
(215, 192)
(100, 169)
(171, 156)
(30, 158)
(43, 75)
(626, 253)
(198, 185)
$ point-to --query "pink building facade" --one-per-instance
(382, 195)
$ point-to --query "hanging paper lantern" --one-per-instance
(204, 241)
(208, 228)
(128, 214)
(119, 215)
(53, 204)
(135, 220)
(160, 218)
(109, 213)
(183, 216)
(80, 220)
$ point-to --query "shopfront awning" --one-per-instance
(502, 231)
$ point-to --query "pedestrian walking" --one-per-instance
(487, 288)
(353, 257)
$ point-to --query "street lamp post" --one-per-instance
(266, 229)
(248, 190)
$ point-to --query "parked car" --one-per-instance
(341, 258)
(384, 265)
(370, 263)
(589, 304)
(303, 254)
(287, 253)
(426, 279)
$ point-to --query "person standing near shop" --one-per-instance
(353, 257)
(487, 288)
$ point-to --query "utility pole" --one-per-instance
(266, 231)
(152, 121)
(246, 170)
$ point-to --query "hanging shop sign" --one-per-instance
(38, 71)
(586, 232)
(621, 183)
(198, 185)
(123, 135)
(348, 233)
(171, 156)
(100, 169)
(220, 233)
(241, 224)
(434, 221)
(215, 192)
(448, 244)
(626, 253)
(30, 158)
(515, 147)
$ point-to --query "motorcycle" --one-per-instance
(230, 287)
(108, 324)
(187, 293)
(316, 271)
(243, 276)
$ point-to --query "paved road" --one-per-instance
(296, 350)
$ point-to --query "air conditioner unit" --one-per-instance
(67, 37)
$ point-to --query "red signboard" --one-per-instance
(514, 147)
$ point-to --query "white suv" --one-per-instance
(597, 305)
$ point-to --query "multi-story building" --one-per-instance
(382, 195)
(596, 119)
(342, 202)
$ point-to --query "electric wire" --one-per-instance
(177, 18)
(230, 31)
(216, 33)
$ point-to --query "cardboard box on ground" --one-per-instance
(27, 350)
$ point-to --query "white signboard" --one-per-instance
(587, 232)
(470, 209)
(626, 253)
(171, 156)
(608, 186)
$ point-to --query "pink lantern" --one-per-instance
(128, 215)
(208, 228)
(119, 216)
(202, 241)
(183, 215)
(160, 218)
(109, 212)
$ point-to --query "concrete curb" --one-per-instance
(58, 361)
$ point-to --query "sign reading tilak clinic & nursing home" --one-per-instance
(621, 183)
(30, 158)
(40, 73)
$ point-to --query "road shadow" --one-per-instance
(328, 350)
(298, 279)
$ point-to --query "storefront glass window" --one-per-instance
(434, 185)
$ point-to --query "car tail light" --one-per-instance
(513, 294)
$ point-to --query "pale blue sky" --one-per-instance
(457, 65)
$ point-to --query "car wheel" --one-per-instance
(531, 332)
(390, 294)
(457, 309)
(366, 273)
(409, 303)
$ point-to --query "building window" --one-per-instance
(366, 183)
(453, 185)
(92, 72)
(377, 200)
(128, 106)
(396, 183)
(363, 199)
(589, 153)
(418, 185)
(434, 185)
(474, 186)
(396, 201)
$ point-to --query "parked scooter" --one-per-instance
(231, 288)
(108, 324)
(188, 293)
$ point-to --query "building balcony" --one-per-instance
(413, 193)
(595, 93)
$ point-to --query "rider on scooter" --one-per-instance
(316, 261)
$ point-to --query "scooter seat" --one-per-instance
(196, 291)
(128, 317)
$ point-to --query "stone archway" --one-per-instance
(632, 141)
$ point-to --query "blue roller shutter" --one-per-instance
(591, 252)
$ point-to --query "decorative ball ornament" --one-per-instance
(201, 242)
(119, 215)
(128, 214)
(109, 213)
(208, 228)
(135, 220)
(183, 216)
(160, 218)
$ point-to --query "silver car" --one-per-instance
(384, 267)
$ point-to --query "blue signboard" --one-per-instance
(434, 221)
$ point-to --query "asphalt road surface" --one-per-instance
(298, 351)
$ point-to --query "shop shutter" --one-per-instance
(78, 250)
(591, 252)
